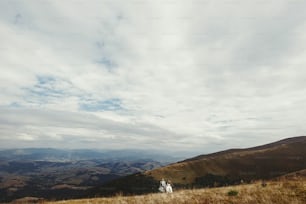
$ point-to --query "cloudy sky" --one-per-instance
(196, 75)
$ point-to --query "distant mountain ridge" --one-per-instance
(51, 154)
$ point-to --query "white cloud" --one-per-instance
(192, 74)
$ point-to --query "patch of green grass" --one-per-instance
(232, 193)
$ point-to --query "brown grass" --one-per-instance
(280, 192)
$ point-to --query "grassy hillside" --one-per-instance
(281, 192)
(218, 169)
(263, 162)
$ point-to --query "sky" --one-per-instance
(170, 75)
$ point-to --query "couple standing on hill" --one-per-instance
(165, 187)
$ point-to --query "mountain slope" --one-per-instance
(223, 168)
(265, 161)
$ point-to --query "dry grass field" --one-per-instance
(280, 192)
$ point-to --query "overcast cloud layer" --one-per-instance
(195, 75)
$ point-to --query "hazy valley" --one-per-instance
(62, 174)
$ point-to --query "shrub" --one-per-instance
(232, 193)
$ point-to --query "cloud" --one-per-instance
(39, 126)
(196, 75)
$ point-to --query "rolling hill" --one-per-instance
(219, 169)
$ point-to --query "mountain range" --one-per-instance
(64, 174)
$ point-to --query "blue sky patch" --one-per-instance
(44, 89)
(45, 79)
(106, 105)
